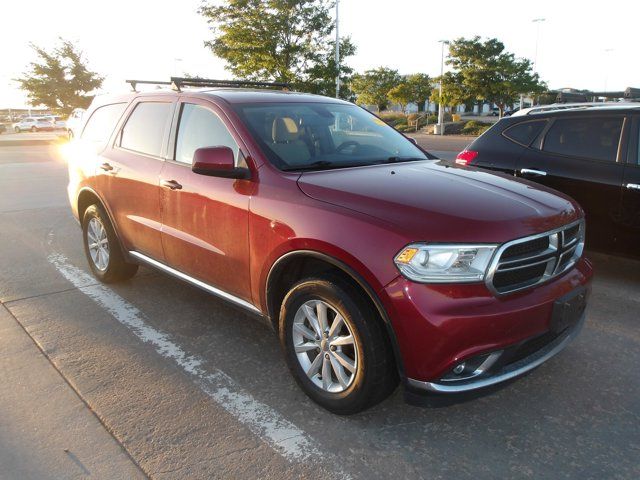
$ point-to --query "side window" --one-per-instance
(200, 127)
(145, 127)
(101, 124)
(595, 138)
(524, 133)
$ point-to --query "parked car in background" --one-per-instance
(74, 122)
(371, 260)
(2, 128)
(34, 124)
(58, 122)
(588, 152)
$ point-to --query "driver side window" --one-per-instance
(200, 127)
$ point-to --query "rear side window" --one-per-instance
(102, 122)
(595, 138)
(144, 130)
(524, 133)
(200, 127)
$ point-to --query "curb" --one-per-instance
(27, 143)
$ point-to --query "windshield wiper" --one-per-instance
(323, 165)
(401, 159)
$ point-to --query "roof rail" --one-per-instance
(178, 82)
(133, 83)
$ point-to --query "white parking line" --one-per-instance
(282, 435)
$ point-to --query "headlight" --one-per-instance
(444, 263)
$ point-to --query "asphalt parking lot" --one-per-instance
(186, 386)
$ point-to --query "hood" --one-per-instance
(429, 201)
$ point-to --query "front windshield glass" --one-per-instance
(316, 136)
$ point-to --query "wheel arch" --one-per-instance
(297, 264)
(87, 197)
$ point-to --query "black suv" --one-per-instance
(591, 153)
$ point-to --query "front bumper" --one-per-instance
(438, 327)
(508, 371)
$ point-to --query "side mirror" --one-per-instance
(413, 140)
(217, 162)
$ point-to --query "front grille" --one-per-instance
(533, 260)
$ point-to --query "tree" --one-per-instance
(321, 77)
(372, 87)
(490, 73)
(401, 94)
(421, 86)
(278, 40)
(59, 79)
(454, 92)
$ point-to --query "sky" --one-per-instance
(153, 39)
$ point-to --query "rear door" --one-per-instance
(581, 156)
(629, 238)
(129, 174)
(205, 231)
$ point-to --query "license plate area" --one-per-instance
(568, 310)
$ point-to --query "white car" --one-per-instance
(58, 122)
(34, 124)
(74, 122)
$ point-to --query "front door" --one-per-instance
(205, 220)
(629, 241)
(579, 156)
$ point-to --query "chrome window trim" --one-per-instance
(553, 263)
(194, 281)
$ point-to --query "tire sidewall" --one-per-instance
(353, 315)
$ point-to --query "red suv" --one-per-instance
(372, 260)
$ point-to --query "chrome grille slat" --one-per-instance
(559, 249)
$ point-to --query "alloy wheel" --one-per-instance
(98, 244)
(325, 346)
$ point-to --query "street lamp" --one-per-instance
(537, 21)
(337, 54)
(440, 106)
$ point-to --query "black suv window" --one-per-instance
(200, 127)
(145, 128)
(526, 132)
(589, 137)
(101, 124)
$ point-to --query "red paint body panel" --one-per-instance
(229, 233)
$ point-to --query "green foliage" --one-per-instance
(279, 40)
(473, 127)
(420, 85)
(320, 78)
(59, 79)
(488, 72)
(454, 92)
(372, 87)
(401, 94)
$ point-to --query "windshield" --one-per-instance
(315, 136)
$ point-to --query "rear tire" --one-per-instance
(17, 130)
(102, 248)
(359, 370)
(34, 129)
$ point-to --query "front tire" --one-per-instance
(102, 247)
(335, 345)
(34, 129)
(17, 130)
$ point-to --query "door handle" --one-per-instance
(106, 167)
(172, 184)
(530, 171)
(633, 186)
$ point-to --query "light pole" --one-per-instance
(440, 106)
(607, 51)
(537, 21)
(337, 54)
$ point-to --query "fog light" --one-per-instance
(459, 369)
